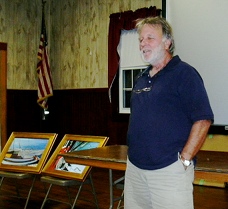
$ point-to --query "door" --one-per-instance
(3, 88)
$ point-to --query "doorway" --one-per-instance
(3, 91)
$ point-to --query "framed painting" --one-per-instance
(58, 167)
(26, 151)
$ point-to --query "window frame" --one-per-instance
(122, 88)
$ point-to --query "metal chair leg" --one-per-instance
(93, 190)
(76, 198)
(30, 191)
(1, 182)
(45, 199)
(120, 201)
(17, 176)
(68, 183)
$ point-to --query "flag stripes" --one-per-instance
(45, 86)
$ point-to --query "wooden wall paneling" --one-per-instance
(94, 52)
(56, 42)
(71, 111)
(68, 47)
(79, 55)
(82, 111)
(3, 94)
(23, 112)
(101, 47)
(76, 111)
(23, 20)
(85, 44)
(147, 3)
(77, 36)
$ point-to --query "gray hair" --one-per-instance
(158, 21)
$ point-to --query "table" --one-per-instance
(211, 165)
(113, 157)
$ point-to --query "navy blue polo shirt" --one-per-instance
(163, 110)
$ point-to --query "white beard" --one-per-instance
(156, 55)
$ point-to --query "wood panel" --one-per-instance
(20, 28)
(23, 112)
(81, 40)
(77, 35)
(82, 111)
(75, 111)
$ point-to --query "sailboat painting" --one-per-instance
(26, 151)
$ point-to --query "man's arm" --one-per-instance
(196, 139)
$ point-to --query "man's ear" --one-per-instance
(167, 44)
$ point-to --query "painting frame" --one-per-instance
(57, 166)
(26, 151)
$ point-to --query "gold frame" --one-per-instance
(22, 154)
(57, 166)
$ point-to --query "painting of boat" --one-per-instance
(24, 152)
(14, 161)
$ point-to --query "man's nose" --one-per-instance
(142, 42)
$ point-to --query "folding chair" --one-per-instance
(13, 175)
(68, 183)
(58, 172)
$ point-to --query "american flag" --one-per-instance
(45, 87)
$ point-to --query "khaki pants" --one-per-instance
(167, 188)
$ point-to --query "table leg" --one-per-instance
(111, 189)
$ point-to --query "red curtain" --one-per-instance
(119, 21)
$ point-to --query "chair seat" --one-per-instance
(59, 181)
(8, 174)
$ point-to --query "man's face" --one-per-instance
(152, 46)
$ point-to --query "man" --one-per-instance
(170, 118)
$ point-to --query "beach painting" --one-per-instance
(26, 150)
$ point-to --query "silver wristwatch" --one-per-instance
(185, 162)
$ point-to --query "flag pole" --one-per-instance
(45, 86)
(43, 4)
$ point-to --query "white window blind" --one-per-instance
(128, 49)
(130, 65)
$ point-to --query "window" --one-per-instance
(126, 82)
(130, 66)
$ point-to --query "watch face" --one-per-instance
(187, 162)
